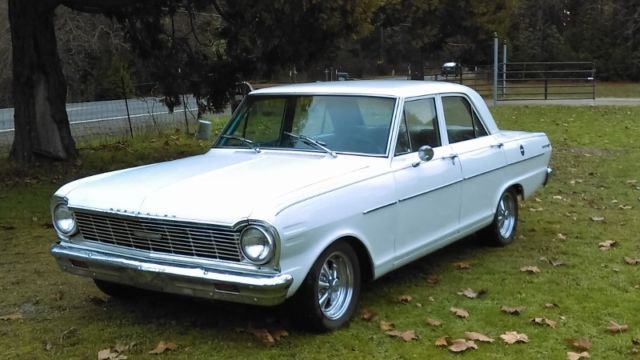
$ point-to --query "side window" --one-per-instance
(419, 126)
(462, 122)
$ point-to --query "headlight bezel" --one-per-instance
(60, 211)
(269, 243)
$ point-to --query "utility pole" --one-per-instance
(495, 68)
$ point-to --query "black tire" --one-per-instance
(118, 291)
(329, 307)
(502, 230)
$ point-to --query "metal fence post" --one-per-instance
(126, 104)
(495, 68)
(184, 107)
(504, 68)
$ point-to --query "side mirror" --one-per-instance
(425, 153)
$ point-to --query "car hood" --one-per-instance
(222, 186)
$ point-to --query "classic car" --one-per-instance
(310, 190)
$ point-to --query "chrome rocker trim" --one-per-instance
(198, 281)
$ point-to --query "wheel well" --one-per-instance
(366, 265)
(518, 189)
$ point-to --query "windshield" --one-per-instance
(343, 124)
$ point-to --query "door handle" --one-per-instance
(498, 145)
(453, 158)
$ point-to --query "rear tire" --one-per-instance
(329, 294)
(502, 230)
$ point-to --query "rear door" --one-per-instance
(481, 157)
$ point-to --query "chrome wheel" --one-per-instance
(506, 215)
(335, 285)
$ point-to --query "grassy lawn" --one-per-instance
(593, 196)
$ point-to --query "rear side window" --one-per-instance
(462, 122)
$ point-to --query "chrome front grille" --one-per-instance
(161, 236)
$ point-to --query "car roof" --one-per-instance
(393, 88)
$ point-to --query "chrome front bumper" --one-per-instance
(547, 175)
(198, 281)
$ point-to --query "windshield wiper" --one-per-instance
(312, 142)
(247, 142)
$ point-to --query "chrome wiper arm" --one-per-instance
(312, 142)
(247, 142)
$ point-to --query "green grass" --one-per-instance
(618, 89)
(596, 155)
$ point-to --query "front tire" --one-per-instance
(329, 294)
(502, 230)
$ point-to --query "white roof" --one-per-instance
(393, 88)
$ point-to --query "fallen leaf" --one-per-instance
(471, 335)
(580, 344)
(367, 315)
(597, 218)
(625, 207)
(386, 326)
(512, 337)
(163, 347)
(517, 310)
(433, 279)
(561, 236)
(111, 354)
(279, 334)
(263, 335)
(632, 182)
(607, 244)
(404, 335)
(462, 265)
(530, 269)
(538, 209)
(471, 294)
(434, 322)
(557, 197)
(15, 316)
(550, 305)
(635, 341)
(405, 299)
(544, 321)
(577, 356)
(459, 312)
(631, 261)
(442, 341)
(460, 345)
(614, 327)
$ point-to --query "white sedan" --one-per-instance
(310, 190)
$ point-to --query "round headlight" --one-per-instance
(257, 244)
(63, 219)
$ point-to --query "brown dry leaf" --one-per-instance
(263, 335)
(434, 322)
(597, 218)
(471, 335)
(607, 245)
(459, 312)
(631, 261)
(472, 294)
(530, 269)
(614, 327)
(580, 344)
(442, 341)
(516, 310)
(404, 335)
(405, 298)
(625, 207)
(550, 305)
(386, 326)
(561, 236)
(279, 334)
(577, 356)
(367, 315)
(512, 337)
(163, 347)
(433, 279)
(462, 265)
(109, 354)
(14, 316)
(460, 345)
(544, 321)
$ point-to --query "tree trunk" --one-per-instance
(39, 87)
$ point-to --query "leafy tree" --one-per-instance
(251, 36)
